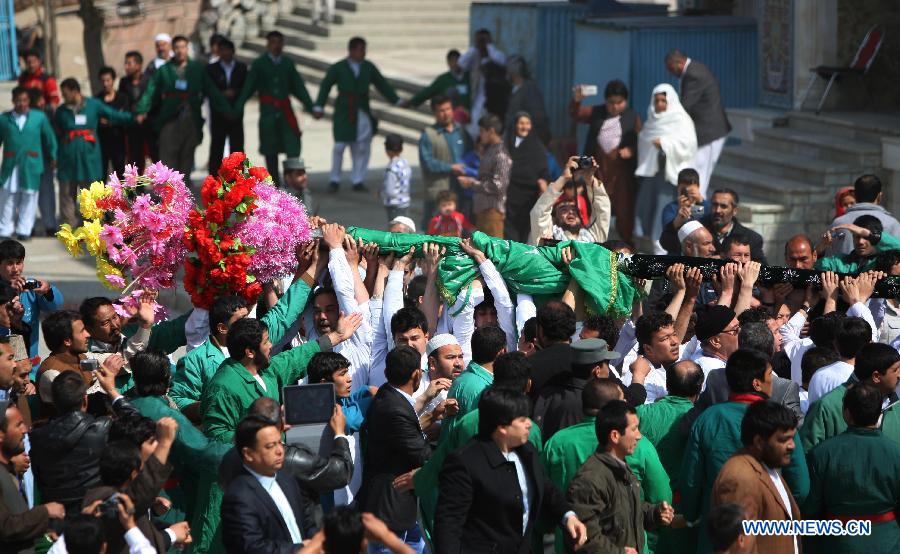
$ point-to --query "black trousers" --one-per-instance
(112, 150)
(222, 128)
(141, 142)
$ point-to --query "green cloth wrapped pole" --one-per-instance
(535, 270)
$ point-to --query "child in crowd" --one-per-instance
(395, 190)
(448, 222)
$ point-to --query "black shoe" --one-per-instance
(23, 238)
(359, 187)
(51, 232)
(334, 187)
(5, 238)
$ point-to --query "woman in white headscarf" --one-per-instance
(667, 144)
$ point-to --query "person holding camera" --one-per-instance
(490, 187)
(689, 206)
(556, 214)
(86, 533)
(35, 295)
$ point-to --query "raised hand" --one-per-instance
(472, 251)
(675, 275)
(351, 250)
(333, 235)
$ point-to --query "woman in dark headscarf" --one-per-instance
(612, 141)
(528, 178)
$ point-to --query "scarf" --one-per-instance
(678, 139)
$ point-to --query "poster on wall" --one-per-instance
(776, 38)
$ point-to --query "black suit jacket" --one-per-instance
(251, 522)
(238, 76)
(549, 364)
(479, 507)
(669, 239)
(702, 100)
(394, 445)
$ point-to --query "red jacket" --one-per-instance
(43, 81)
(451, 225)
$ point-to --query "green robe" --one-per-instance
(197, 368)
(446, 83)
(825, 418)
(466, 389)
(79, 159)
(231, 391)
(353, 95)
(276, 81)
(714, 438)
(426, 479)
(25, 149)
(661, 425)
(163, 91)
(852, 263)
(856, 473)
(567, 450)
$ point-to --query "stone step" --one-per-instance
(384, 43)
(824, 146)
(371, 29)
(302, 24)
(800, 168)
(753, 183)
(868, 127)
(306, 12)
(402, 7)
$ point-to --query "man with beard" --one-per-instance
(445, 361)
(722, 222)
(250, 373)
(557, 213)
(19, 526)
(751, 478)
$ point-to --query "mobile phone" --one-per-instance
(89, 365)
(589, 90)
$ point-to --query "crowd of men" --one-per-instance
(490, 422)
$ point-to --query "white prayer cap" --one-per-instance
(687, 229)
(438, 341)
(403, 220)
(163, 37)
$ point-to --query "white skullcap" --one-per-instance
(163, 37)
(687, 229)
(438, 341)
(403, 220)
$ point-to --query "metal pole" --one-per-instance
(53, 43)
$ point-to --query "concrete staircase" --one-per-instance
(788, 173)
(406, 39)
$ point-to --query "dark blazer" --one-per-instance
(669, 239)
(559, 403)
(548, 365)
(784, 391)
(702, 100)
(479, 506)
(394, 445)
(238, 76)
(19, 526)
(629, 122)
(251, 522)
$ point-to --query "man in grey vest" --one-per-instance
(441, 149)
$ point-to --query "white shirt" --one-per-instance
(775, 476)
(358, 348)
(137, 543)
(271, 486)
(707, 364)
(409, 398)
(159, 62)
(229, 69)
(260, 381)
(828, 378)
(513, 457)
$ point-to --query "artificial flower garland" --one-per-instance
(134, 229)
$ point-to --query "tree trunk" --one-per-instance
(92, 36)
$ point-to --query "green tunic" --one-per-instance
(197, 368)
(353, 95)
(825, 418)
(275, 83)
(25, 149)
(426, 479)
(661, 425)
(466, 389)
(167, 91)
(231, 391)
(714, 438)
(856, 473)
(79, 158)
(449, 84)
(852, 262)
(567, 450)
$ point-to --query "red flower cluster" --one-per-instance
(219, 266)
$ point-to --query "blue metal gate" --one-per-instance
(9, 57)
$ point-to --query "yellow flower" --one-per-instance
(105, 268)
(71, 240)
(87, 200)
(90, 234)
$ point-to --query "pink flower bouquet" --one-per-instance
(134, 228)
